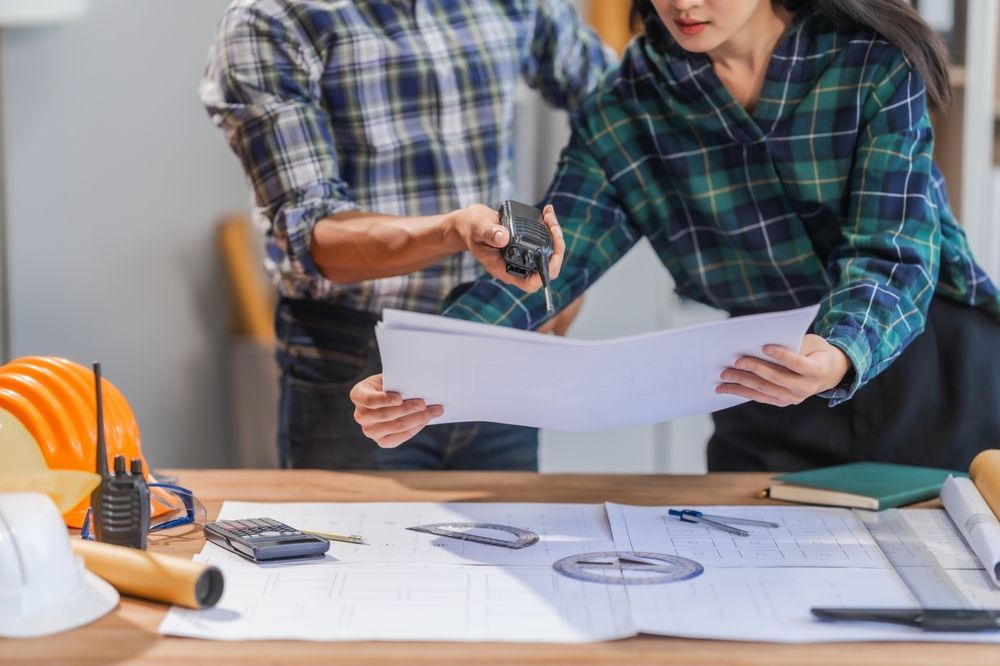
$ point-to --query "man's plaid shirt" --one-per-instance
(826, 192)
(402, 107)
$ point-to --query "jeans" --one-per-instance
(323, 351)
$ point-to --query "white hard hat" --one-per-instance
(44, 588)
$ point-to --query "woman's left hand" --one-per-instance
(789, 378)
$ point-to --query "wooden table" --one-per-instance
(128, 634)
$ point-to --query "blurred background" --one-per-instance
(122, 235)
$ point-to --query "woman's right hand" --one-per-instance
(385, 417)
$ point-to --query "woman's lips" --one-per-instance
(690, 27)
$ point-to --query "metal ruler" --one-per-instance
(915, 564)
(942, 605)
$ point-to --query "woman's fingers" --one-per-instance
(750, 394)
(749, 385)
(558, 242)
(786, 357)
(788, 377)
(797, 384)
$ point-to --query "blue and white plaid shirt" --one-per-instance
(399, 107)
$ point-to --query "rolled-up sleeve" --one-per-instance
(886, 267)
(261, 86)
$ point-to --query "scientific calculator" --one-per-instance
(264, 539)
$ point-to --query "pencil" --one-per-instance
(333, 536)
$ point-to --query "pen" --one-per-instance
(332, 536)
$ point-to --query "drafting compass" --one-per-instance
(628, 568)
(489, 534)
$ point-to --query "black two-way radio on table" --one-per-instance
(530, 245)
(120, 505)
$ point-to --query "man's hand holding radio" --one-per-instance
(356, 245)
(386, 417)
(475, 229)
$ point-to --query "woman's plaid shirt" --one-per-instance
(826, 192)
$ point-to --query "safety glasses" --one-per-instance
(182, 508)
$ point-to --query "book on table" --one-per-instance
(863, 485)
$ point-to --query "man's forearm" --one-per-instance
(356, 246)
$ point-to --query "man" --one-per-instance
(357, 123)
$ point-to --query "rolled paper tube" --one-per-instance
(985, 473)
(140, 573)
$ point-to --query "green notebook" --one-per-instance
(865, 485)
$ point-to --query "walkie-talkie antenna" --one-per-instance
(102, 447)
(543, 272)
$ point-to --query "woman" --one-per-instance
(778, 154)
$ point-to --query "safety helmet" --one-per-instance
(54, 399)
(23, 469)
(44, 588)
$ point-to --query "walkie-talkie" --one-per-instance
(120, 505)
(530, 246)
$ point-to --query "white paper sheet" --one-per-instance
(745, 598)
(407, 585)
(411, 586)
(975, 520)
(399, 602)
(562, 529)
(485, 373)
(808, 536)
(772, 604)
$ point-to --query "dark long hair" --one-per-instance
(895, 20)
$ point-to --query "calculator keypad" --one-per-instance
(253, 528)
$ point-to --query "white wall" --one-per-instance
(115, 176)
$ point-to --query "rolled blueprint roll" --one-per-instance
(975, 521)
(139, 573)
(985, 473)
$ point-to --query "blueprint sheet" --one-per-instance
(562, 529)
(413, 586)
(409, 585)
(760, 588)
(490, 373)
(358, 602)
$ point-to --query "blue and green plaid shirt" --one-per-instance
(401, 107)
(826, 192)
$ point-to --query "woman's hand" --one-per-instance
(479, 231)
(385, 417)
(790, 378)
(559, 324)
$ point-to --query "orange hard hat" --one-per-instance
(54, 399)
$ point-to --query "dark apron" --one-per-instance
(938, 404)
